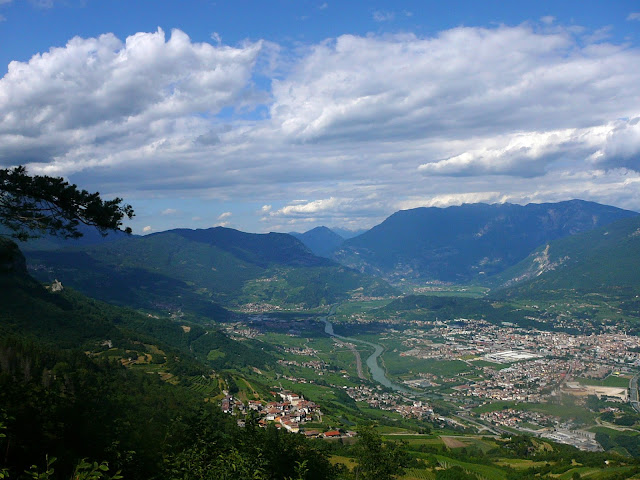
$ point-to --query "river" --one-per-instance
(377, 372)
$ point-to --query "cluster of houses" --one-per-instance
(385, 400)
(288, 413)
(510, 417)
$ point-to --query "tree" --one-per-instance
(31, 206)
(378, 460)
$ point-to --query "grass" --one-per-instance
(610, 381)
(397, 365)
(486, 471)
(594, 473)
(418, 474)
(519, 463)
(613, 433)
(348, 461)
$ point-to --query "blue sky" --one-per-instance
(285, 115)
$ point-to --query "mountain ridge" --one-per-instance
(202, 271)
(468, 242)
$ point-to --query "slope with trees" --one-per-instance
(197, 270)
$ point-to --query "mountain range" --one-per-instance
(606, 259)
(467, 243)
(206, 272)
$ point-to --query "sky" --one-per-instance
(285, 115)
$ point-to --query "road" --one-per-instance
(480, 425)
(356, 353)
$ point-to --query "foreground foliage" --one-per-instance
(31, 206)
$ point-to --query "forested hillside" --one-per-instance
(198, 271)
(469, 242)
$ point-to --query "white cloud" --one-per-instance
(147, 229)
(621, 147)
(383, 16)
(309, 208)
(215, 36)
(548, 19)
(525, 154)
(169, 211)
(224, 215)
(447, 200)
(634, 16)
(357, 126)
(140, 95)
(465, 81)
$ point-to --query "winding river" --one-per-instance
(377, 372)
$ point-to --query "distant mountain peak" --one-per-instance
(322, 241)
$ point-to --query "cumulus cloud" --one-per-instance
(357, 126)
(224, 215)
(147, 229)
(309, 208)
(521, 154)
(465, 81)
(343, 209)
(133, 95)
(621, 147)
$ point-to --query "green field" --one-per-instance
(610, 381)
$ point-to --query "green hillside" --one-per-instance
(196, 271)
(80, 379)
(68, 319)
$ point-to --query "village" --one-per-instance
(289, 413)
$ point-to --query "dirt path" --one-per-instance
(356, 353)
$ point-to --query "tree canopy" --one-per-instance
(32, 206)
(378, 460)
